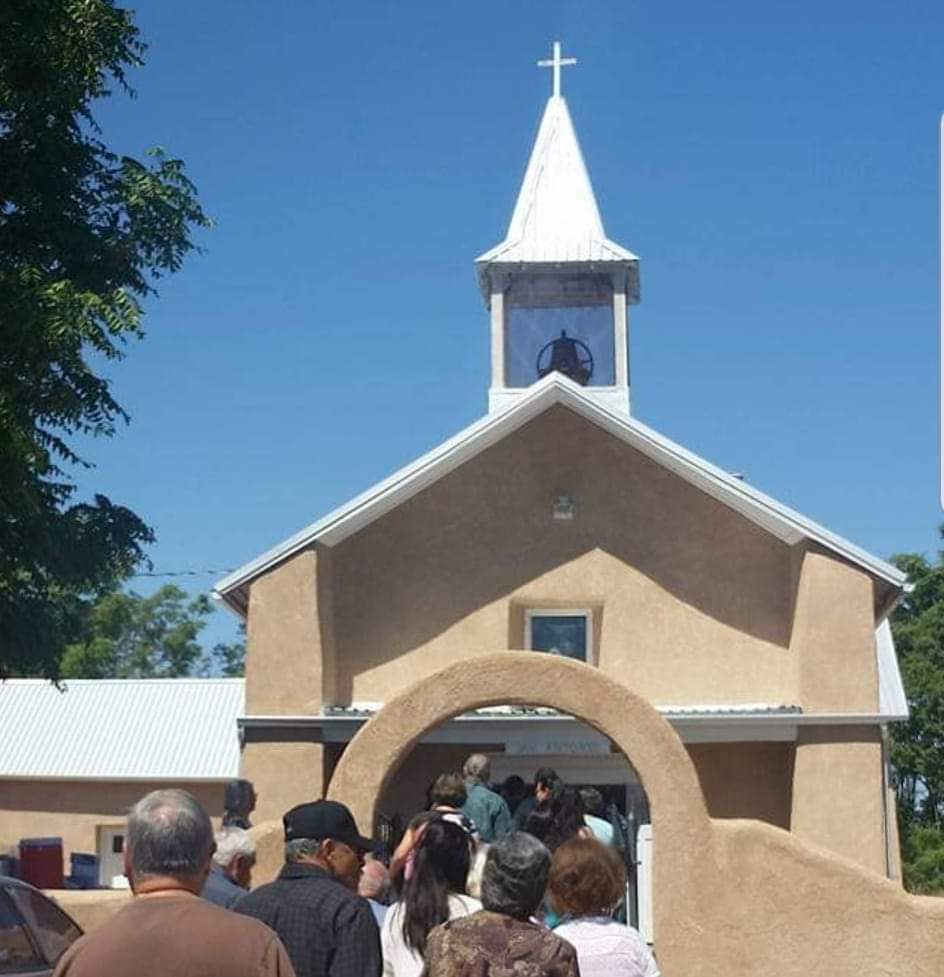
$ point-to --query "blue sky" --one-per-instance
(774, 165)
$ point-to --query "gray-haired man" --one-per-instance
(483, 807)
(167, 928)
(231, 869)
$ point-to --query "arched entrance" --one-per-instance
(681, 826)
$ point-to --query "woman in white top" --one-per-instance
(586, 883)
(433, 891)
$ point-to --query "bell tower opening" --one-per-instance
(560, 323)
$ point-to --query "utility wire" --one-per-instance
(180, 573)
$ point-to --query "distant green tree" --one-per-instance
(125, 635)
(922, 856)
(229, 658)
(918, 744)
(84, 235)
(129, 636)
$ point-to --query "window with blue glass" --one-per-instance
(564, 633)
(561, 323)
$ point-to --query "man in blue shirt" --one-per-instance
(486, 809)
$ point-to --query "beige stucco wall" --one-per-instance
(839, 793)
(783, 909)
(289, 637)
(92, 908)
(73, 809)
(692, 601)
(833, 637)
(746, 780)
(283, 774)
(289, 671)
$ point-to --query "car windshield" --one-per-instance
(16, 950)
(52, 929)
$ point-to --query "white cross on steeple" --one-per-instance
(557, 62)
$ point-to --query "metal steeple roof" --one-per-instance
(556, 218)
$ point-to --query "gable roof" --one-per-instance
(556, 218)
(783, 522)
(120, 729)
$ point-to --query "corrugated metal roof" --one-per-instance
(129, 729)
(556, 218)
(364, 710)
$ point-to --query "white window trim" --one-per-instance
(585, 612)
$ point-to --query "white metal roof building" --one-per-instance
(121, 729)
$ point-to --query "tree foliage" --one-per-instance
(918, 744)
(125, 635)
(84, 235)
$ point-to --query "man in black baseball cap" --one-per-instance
(313, 905)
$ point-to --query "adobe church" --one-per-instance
(559, 584)
(559, 524)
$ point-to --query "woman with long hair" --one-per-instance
(558, 819)
(433, 891)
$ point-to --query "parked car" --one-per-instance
(34, 931)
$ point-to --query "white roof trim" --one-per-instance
(892, 700)
(783, 522)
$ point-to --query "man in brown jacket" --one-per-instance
(167, 928)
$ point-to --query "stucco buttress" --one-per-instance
(289, 672)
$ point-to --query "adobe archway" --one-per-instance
(681, 827)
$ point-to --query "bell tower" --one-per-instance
(558, 290)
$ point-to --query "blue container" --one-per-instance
(84, 870)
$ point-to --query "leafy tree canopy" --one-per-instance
(125, 635)
(84, 235)
(918, 745)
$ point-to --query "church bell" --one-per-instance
(568, 356)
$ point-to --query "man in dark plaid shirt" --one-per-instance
(328, 930)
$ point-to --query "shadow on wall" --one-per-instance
(630, 509)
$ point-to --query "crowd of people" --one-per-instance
(512, 883)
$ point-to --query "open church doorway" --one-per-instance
(625, 807)
(518, 740)
(372, 766)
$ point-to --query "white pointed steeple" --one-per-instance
(556, 218)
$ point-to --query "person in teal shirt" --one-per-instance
(486, 809)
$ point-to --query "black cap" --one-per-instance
(324, 819)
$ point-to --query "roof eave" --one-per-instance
(765, 511)
(501, 260)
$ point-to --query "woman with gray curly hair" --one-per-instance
(501, 940)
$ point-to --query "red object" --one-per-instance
(41, 862)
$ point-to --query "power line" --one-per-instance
(180, 573)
